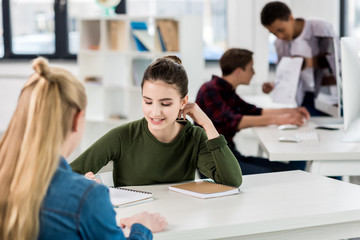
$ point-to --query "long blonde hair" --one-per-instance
(30, 147)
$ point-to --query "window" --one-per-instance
(350, 18)
(50, 28)
(215, 29)
(34, 27)
(273, 58)
(34, 31)
(2, 33)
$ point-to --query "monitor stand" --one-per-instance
(352, 134)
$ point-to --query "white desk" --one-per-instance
(330, 156)
(283, 205)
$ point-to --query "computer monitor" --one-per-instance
(350, 68)
(329, 98)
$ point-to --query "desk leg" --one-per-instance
(346, 178)
(342, 168)
(313, 167)
(260, 151)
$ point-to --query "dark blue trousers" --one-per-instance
(309, 104)
(254, 165)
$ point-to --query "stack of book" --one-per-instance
(167, 32)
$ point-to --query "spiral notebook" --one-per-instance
(125, 196)
(204, 189)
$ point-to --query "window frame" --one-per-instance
(344, 23)
(61, 33)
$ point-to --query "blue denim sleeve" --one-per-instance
(97, 217)
(139, 231)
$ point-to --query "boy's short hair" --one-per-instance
(273, 11)
(234, 58)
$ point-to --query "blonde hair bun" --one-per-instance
(41, 67)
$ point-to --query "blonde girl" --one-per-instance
(40, 196)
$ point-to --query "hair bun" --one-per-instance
(41, 67)
(174, 58)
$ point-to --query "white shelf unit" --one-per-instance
(111, 65)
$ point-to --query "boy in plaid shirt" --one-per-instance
(229, 113)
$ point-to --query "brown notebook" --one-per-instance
(204, 189)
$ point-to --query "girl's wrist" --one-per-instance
(211, 132)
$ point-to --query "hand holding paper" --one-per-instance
(267, 87)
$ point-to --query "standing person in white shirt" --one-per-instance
(311, 39)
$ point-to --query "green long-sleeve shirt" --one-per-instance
(140, 159)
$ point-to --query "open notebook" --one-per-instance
(204, 189)
(125, 196)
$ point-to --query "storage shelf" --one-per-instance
(111, 63)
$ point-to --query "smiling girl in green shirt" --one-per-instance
(158, 148)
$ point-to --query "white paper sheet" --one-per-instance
(286, 80)
(121, 196)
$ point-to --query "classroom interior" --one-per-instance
(234, 23)
(206, 29)
(219, 25)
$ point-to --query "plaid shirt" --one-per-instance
(224, 107)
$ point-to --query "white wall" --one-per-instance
(13, 75)
(245, 29)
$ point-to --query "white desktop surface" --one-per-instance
(330, 155)
(329, 147)
(283, 205)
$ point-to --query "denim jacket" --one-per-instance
(77, 208)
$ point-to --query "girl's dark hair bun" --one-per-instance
(174, 58)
